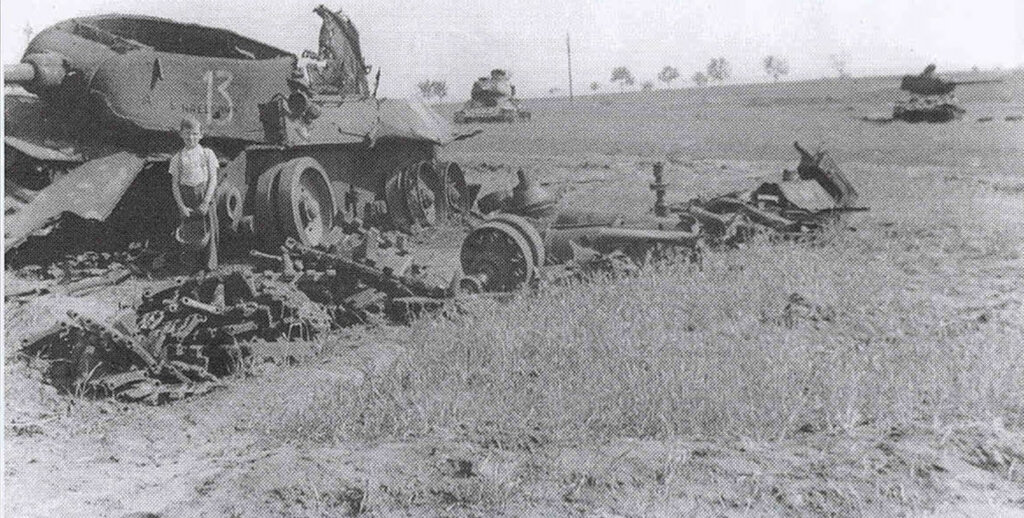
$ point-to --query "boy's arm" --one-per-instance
(175, 168)
(211, 185)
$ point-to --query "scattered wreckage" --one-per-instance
(525, 232)
(184, 336)
(302, 142)
(187, 334)
(314, 166)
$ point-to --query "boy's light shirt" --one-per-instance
(194, 166)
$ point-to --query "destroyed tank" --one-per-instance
(304, 144)
(932, 98)
(493, 99)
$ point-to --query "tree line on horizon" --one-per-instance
(717, 70)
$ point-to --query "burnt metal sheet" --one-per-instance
(41, 152)
(370, 120)
(350, 122)
(411, 119)
(808, 195)
(43, 133)
(90, 190)
(345, 72)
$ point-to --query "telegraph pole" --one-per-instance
(568, 50)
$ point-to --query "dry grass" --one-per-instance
(899, 327)
(661, 394)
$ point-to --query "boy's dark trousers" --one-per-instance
(192, 197)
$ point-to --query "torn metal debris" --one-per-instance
(179, 340)
(524, 232)
(187, 334)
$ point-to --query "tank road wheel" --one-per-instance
(267, 228)
(500, 253)
(528, 231)
(447, 184)
(395, 199)
(422, 198)
(229, 206)
(305, 203)
(452, 192)
(408, 198)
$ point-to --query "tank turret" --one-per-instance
(926, 83)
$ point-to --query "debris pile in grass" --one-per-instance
(777, 340)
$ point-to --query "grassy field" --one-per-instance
(878, 371)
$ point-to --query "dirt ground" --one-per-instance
(227, 454)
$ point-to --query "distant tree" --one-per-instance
(839, 63)
(554, 90)
(719, 70)
(699, 79)
(430, 89)
(775, 67)
(975, 69)
(647, 86)
(426, 88)
(440, 89)
(667, 75)
(623, 76)
(595, 86)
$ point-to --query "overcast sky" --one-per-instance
(458, 40)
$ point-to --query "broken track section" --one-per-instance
(188, 333)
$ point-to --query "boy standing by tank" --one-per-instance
(193, 183)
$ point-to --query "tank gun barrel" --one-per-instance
(19, 73)
(931, 85)
(42, 70)
(977, 82)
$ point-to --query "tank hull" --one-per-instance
(507, 111)
(935, 112)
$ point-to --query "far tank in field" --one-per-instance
(931, 98)
(493, 99)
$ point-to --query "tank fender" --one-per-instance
(91, 191)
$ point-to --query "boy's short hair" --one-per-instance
(190, 123)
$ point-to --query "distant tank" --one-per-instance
(303, 143)
(493, 99)
(931, 98)
(943, 108)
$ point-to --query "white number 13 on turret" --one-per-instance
(223, 111)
